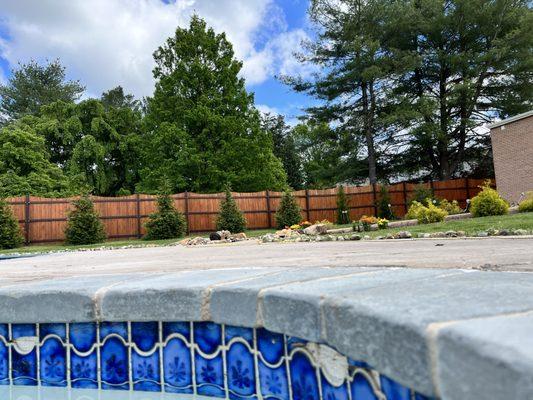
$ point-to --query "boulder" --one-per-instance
(215, 236)
(224, 234)
(238, 236)
(404, 235)
(198, 241)
(317, 229)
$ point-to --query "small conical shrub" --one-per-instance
(230, 218)
(167, 222)
(288, 213)
(83, 224)
(384, 204)
(343, 213)
(10, 234)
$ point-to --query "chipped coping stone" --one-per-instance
(451, 333)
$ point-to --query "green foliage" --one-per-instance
(32, 85)
(167, 222)
(451, 207)
(410, 81)
(204, 129)
(425, 214)
(230, 218)
(384, 204)
(10, 234)
(284, 148)
(431, 214)
(488, 202)
(415, 209)
(343, 212)
(83, 224)
(421, 194)
(288, 213)
(25, 167)
(526, 205)
(94, 142)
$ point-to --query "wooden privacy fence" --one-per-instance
(44, 219)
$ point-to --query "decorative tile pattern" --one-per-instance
(187, 357)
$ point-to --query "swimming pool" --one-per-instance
(116, 359)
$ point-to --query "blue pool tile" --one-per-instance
(145, 335)
(4, 364)
(330, 392)
(362, 389)
(53, 329)
(83, 371)
(22, 330)
(232, 332)
(114, 364)
(393, 390)
(303, 378)
(358, 364)
(209, 375)
(4, 331)
(24, 368)
(53, 371)
(270, 345)
(177, 367)
(82, 336)
(118, 328)
(183, 328)
(208, 336)
(274, 383)
(240, 372)
(146, 372)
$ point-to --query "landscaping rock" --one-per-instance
(317, 229)
(269, 238)
(238, 236)
(404, 235)
(355, 237)
(461, 233)
(504, 232)
(426, 235)
(224, 234)
(482, 234)
(198, 241)
(451, 234)
(521, 232)
(215, 236)
(438, 235)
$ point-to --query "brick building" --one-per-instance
(512, 147)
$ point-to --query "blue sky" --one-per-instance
(105, 43)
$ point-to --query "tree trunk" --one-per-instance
(368, 123)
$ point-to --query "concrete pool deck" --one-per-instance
(426, 313)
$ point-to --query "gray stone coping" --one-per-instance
(451, 333)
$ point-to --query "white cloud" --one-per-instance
(264, 109)
(107, 43)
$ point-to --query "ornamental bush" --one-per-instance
(167, 222)
(10, 234)
(230, 218)
(288, 212)
(343, 216)
(527, 204)
(451, 207)
(431, 214)
(414, 210)
(83, 223)
(384, 204)
(421, 194)
(488, 202)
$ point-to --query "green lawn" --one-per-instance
(470, 226)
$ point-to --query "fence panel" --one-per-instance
(44, 220)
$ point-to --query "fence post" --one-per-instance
(467, 183)
(405, 197)
(138, 211)
(267, 193)
(374, 199)
(307, 205)
(187, 212)
(27, 219)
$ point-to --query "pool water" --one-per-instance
(43, 393)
